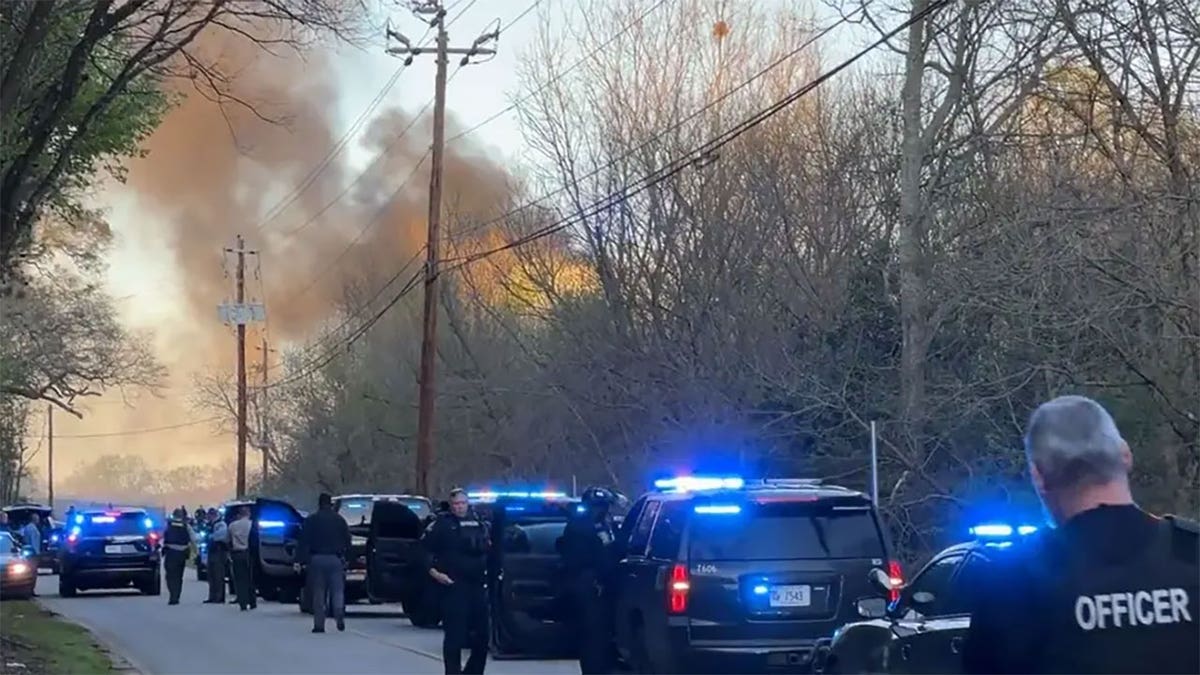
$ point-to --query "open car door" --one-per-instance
(394, 554)
(528, 615)
(276, 536)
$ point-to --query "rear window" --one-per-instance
(358, 511)
(533, 538)
(536, 510)
(99, 524)
(785, 531)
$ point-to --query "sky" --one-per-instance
(154, 286)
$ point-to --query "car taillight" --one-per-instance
(72, 539)
(677, 592)
(152, 539)
(896, 577)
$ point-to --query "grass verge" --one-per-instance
(36, 642)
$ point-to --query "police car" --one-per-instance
(378, 541)
(525, 571)
(721, 572)
(274, 537)
(923, 628)
(113, 548)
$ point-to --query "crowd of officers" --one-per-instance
(228, 547)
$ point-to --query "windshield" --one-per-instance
(357, 511)
(533, 538)
(786, 531)
(8, 544)
(101, 525)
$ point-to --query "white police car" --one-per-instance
(923, 630)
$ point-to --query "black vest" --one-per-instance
(176, 534)
(1138, 616)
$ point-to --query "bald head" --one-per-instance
(1073, 443)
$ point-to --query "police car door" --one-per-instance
(930, 615)
(528, 609)
(277, 524)
(393, 551)
(637, 599)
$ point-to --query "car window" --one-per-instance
(785, 531)
(641, 530)
(961, 596)
(356, 511)
(935, 579)
(533, 538)
(105, 525)
(668, 531)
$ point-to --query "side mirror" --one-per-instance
(872, 608)
(880, 580)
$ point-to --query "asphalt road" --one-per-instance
(196, 638)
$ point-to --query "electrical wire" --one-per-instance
(137, 432)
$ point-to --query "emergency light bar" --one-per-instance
(103, 519)
(718, 509)
(700, 483)
(271, 524)
(1000, 530)
(490, 496)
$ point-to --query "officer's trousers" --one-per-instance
(464, 624)
(593, 631)
(216, 573)
(174, 563)
(242, 580)
(327, 582)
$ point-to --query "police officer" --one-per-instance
(457, 544)
(588, 561)
(323, 551)
(218, 555)
(177, 540)
(1112, 589)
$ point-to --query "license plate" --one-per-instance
(119, 548)
(356, 575)
(791, 596)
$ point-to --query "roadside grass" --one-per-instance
(36, 642)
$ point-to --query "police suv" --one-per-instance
(740, 575)
(923, 628)
(274, 536)
(114, 548)
(525, 571)
(376, 546)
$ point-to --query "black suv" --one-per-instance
(923, 630)
(274, 535)
(114, 548)
(733, 574)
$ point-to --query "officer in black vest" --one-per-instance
(457, 544)
(588, 563)
(1112, 589)
(177, 540)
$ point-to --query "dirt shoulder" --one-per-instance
(34, 641)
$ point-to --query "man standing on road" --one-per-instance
(457, 545)
(1112, 589)
(218, 551)
(239, 553)
(324, 547)
(588, 563)
(177, 541)
(31, 536)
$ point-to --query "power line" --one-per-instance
(138, 432)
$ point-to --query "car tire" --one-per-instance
(268, 591)
(640, 660)
(153, 586)
(66, 587)
(305, 602)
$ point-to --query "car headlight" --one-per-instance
(358, 541)
(18, 569)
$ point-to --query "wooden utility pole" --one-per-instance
(241, 371)
(426, 384)
(50, 455)
(264, 440)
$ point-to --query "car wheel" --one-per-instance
(639, 658)
(269, 592)
(66, 588)
(305, 602)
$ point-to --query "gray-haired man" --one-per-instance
(1112, 589)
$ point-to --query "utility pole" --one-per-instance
(50, 455)
(264, 440)
(426, 383)
(241, 313)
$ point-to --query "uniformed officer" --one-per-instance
(177, 541)
(1112, 589)
(218, 555)
(588, 561)
(323, 552)
(457, 544)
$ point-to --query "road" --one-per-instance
(196, 638)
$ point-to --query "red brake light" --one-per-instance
(677, 592)
(896, 575)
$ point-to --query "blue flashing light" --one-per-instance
(148, 523)
(491, 496)
(580, 508)
(103, 519)
(698, 483)
(271, 524)
(992, 530)
(718, 509)
(1026, 529)
(354, 505)
(760, 589)
(54, 538)
(75, 531)
(514, 508)
(78, 519)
